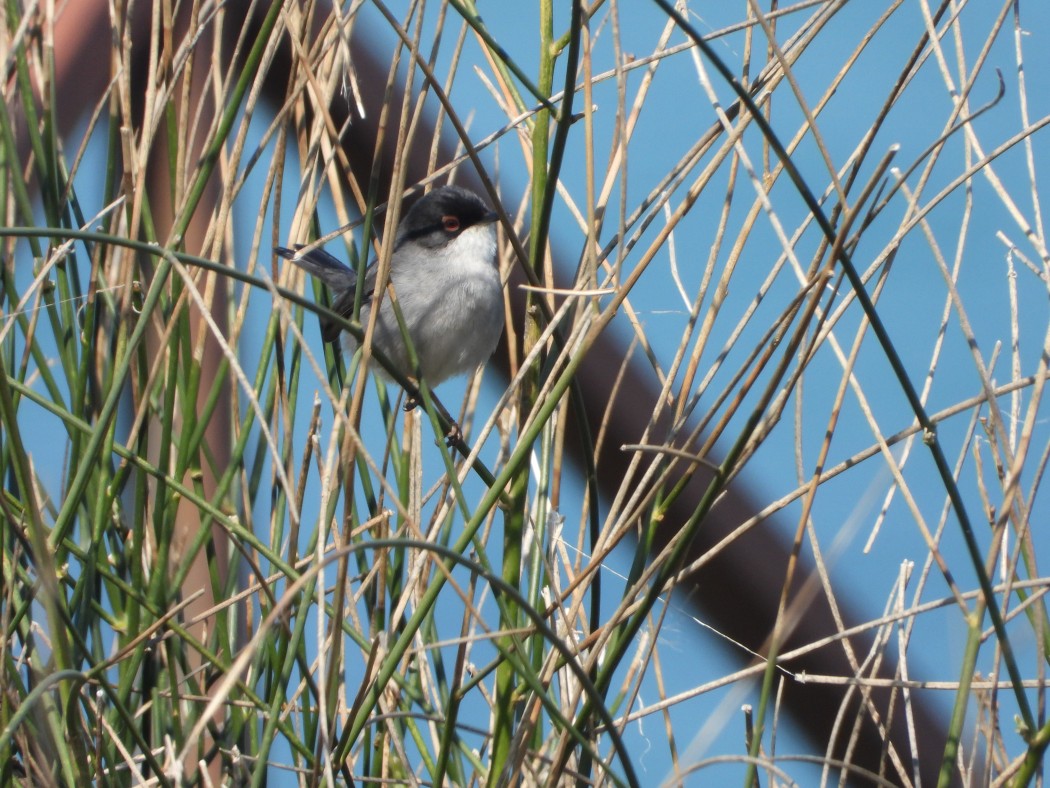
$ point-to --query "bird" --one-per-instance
(446, 281)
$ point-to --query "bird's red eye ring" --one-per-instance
(450, 223)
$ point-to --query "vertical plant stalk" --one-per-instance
(515, 519)
(50, 595)
(897, 365)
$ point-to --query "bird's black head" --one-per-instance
(442, 215)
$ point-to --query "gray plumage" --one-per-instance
(443, 269)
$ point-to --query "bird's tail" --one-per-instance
(340, 278)
(330, 270)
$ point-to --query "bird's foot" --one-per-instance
(453, 436)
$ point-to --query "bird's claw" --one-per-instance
(453, 436)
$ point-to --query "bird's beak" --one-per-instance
(489, 218)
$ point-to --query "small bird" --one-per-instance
(444, 273)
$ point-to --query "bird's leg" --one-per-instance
(454, 436)
(411, 402)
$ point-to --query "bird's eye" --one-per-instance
(450, 223)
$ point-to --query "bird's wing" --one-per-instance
(340, 278)
(343, 302)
